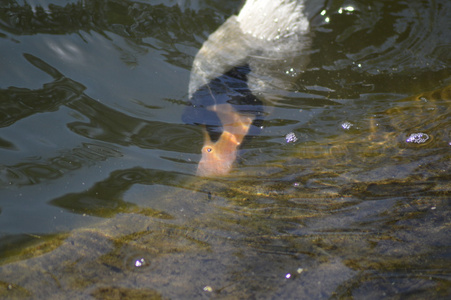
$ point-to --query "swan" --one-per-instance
(232, 72)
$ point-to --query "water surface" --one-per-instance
(98, 197)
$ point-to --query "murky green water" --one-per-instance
(98, 198)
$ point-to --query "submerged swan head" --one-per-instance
(264, 34)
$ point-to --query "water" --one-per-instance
(98, 197)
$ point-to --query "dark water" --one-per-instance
(98, 197)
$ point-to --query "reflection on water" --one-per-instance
(98, 197)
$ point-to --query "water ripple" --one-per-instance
(407, 37)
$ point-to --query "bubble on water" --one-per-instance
(418, 138)
(291, 72)
(347, 125)
(347, 10)
(291, 137)
(137, 262)
(140, 262)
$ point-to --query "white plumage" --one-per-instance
(273, 20)
(268, 35)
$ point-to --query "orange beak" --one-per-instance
(218, 157)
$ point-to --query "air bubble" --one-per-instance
(347, 125)
(418, 138)
(291, 137)
(140, 262)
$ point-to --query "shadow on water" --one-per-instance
(22, 103)
(345, 193)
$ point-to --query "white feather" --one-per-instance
(273, 20)
(266, 34)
